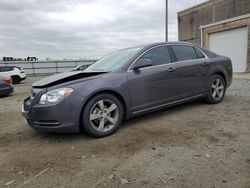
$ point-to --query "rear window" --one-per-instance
(19, 68)
(6, 69)
(183, 53)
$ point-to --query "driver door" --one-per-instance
(154, 85)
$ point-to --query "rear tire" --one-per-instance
(102, 115)
(217, 89)
(16, 79)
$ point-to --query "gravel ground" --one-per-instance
(191, 145)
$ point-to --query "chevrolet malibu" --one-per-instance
(124, 84)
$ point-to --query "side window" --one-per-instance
(6, 69)
(158, 55)
(199, 53)
(184, 53)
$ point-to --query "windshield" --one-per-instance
(113, 60)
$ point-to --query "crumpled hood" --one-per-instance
(63, 77)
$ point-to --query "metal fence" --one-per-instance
(46, 67)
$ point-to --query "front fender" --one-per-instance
(115, 84)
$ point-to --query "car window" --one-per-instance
(19, 68)
(158, 56)
(184, 52)
(199, 53)
(83, 67)
(6, 69)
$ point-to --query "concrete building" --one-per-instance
(222, 26)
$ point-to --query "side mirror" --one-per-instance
(142, 63)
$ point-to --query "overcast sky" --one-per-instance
(83, 28)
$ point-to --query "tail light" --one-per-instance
(7, 80)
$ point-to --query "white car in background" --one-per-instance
(16, 73)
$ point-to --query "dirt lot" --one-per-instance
(191, 145)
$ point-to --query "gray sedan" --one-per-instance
(124, 84)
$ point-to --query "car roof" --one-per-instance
(170, 43)
(150, 45)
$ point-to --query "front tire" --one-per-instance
(217, 89)
(102, 115)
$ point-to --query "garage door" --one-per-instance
(231, 43)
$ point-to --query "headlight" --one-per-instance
(55, 96)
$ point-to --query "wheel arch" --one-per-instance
(222, 74)
(15, 75)
(16, 79)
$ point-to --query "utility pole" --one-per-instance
(166, 20)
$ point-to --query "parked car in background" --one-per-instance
(124, 84)
(81, 67)
(32, 59)
(5, 86)
(16, 73)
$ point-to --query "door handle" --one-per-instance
(171, 69)
(205, 63)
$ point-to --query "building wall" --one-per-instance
(212, 11)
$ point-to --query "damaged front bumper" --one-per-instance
(59, 117)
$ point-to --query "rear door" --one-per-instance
(192, 70)
(154, 85)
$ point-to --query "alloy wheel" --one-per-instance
(104, 115)
(217, 89)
